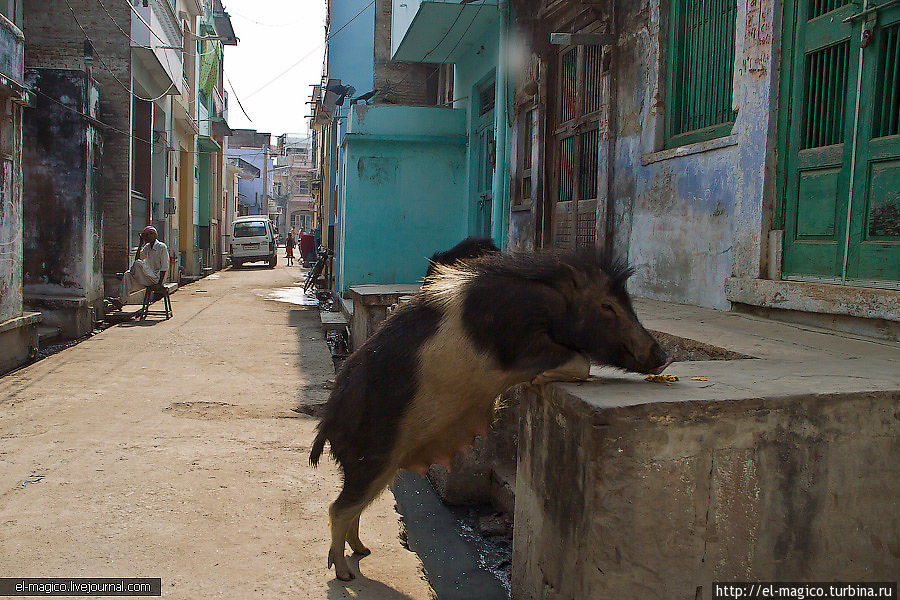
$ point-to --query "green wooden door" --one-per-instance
(485, 157)
(841, 149)
(874, 249)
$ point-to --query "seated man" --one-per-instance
(149, 267)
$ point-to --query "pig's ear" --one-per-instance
(568, 280)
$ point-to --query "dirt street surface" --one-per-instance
(169, 449)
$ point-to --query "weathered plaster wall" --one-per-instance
(57, 42)
(11, 53)
(63, 217)
(658, 501)
(11, 216)
(693, 216)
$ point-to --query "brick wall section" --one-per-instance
(404, 82)
(55, 41)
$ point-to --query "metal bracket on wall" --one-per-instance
(580, 39)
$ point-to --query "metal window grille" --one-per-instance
(701, 48)
(486, 100)
(887, 82)
(824, 96)
(593, 69)
(566, 167)
(817, 8)
(527, 131)
(587, 176)
(567, 82)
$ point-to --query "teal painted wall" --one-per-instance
(404, 190)
(473, 68)
(203, 168)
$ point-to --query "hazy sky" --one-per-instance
(273, 36)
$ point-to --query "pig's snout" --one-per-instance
(659, 360)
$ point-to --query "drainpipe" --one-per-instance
(500, 183)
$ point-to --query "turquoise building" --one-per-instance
(412, 180)
(473, 38)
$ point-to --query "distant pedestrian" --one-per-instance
(149, 267)
(289, 248)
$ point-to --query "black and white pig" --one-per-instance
(425, 384)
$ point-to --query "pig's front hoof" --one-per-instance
(341, 568)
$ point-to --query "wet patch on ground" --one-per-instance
(293, 295)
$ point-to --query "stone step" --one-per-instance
(47, 334)
(503, 488)
(334, 321)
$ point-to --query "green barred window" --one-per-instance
(700, 73)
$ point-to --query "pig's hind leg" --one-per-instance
(363, 481)
(353, 538)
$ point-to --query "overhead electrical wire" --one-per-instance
(310, 53)
(105, 66)
(98, 123)
(431, 75)
(228, 79)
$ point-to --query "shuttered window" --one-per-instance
(824, 94)
(887, 85)
(576, 132)
(700, 70)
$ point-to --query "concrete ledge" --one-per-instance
(370, 307)
(866, 303)
(658, 501)
(18, 340)
(346, 306)
(688, 149)
(333, 321)
(73, 315)
(780, 467)
(375, 294)
(28, 318)
(56, 300)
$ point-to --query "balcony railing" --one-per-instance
(12, 50)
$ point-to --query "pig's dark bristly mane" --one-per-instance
(471, 247)
(550, 266)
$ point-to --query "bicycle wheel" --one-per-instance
(313, 275)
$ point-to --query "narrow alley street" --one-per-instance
(170, 449)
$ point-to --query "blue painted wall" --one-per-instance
(690, 219)
(405, 181)
(251, 190)
(351, 59)
(351, 52)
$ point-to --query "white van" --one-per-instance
(253, 240)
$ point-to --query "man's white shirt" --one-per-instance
(156, 258)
